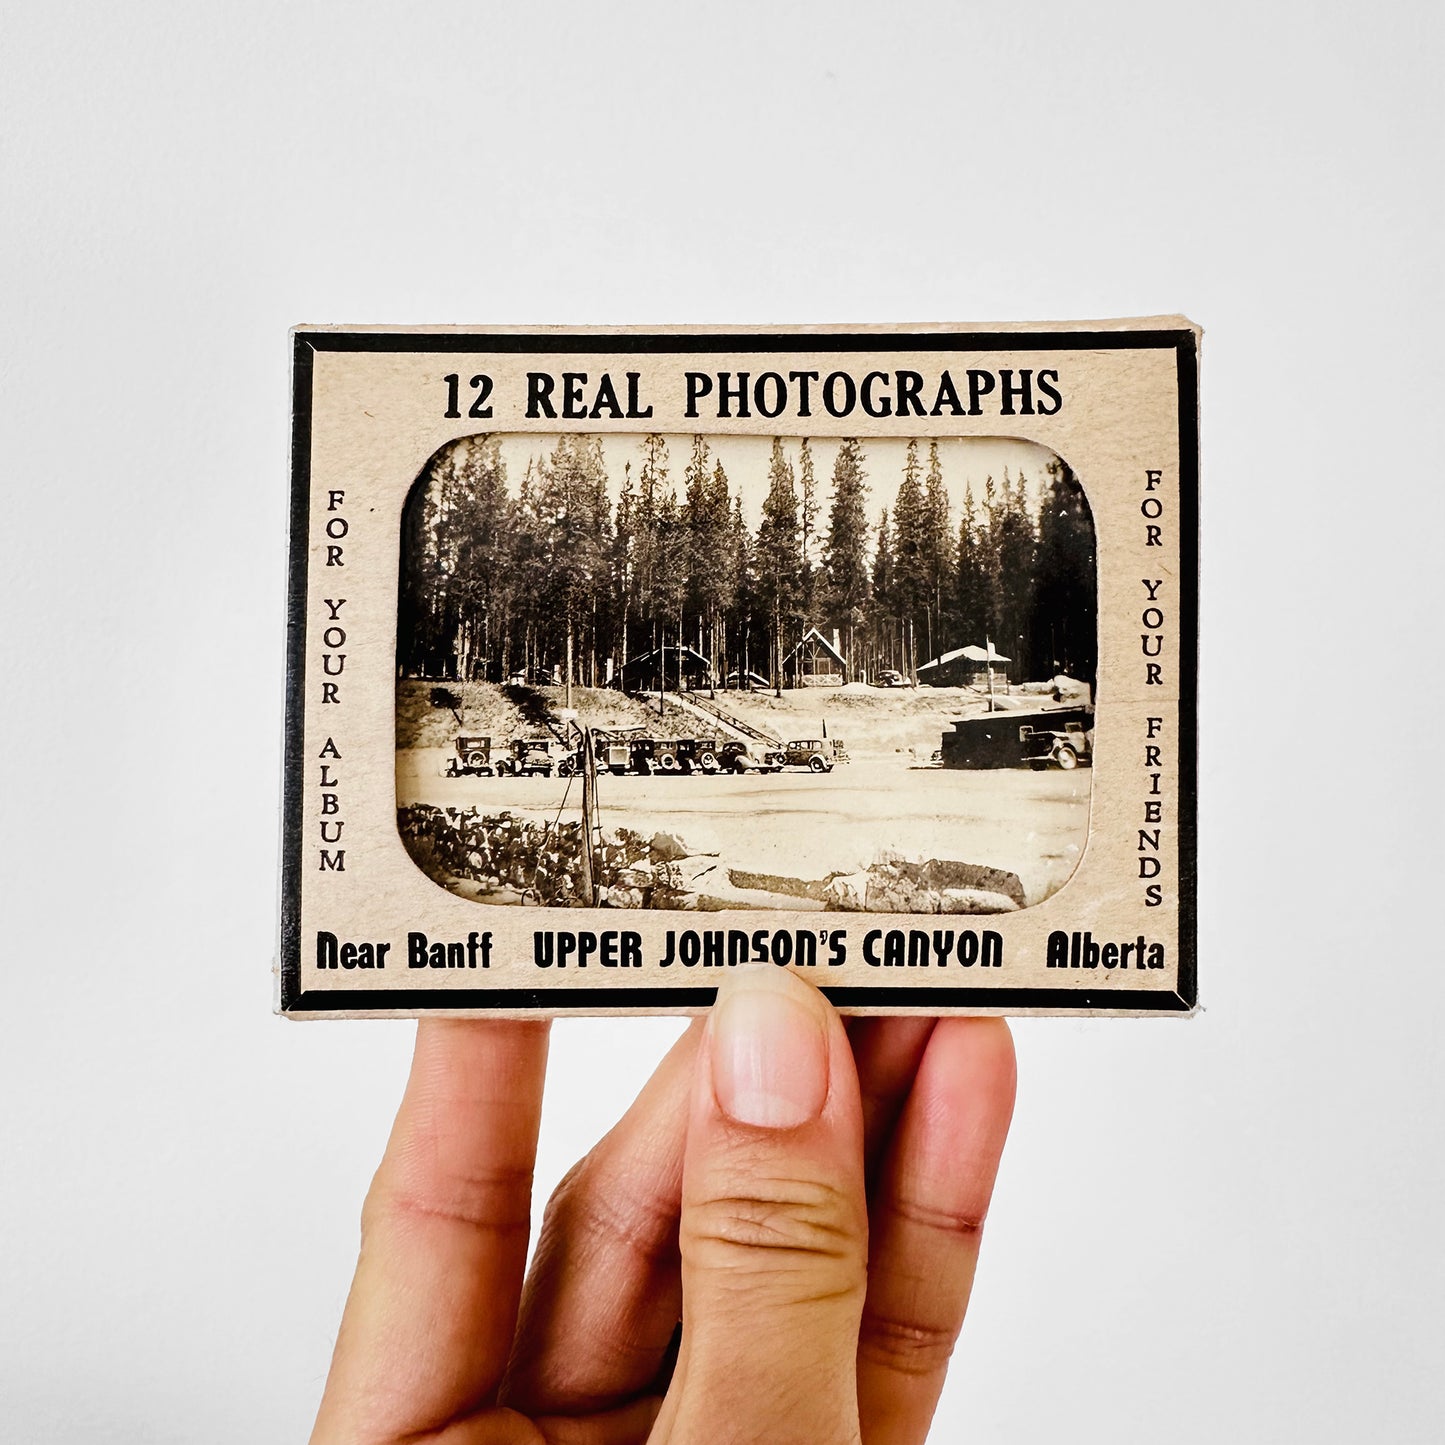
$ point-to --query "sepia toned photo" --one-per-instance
(724, 672)
(620, 657)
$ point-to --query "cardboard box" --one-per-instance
(620, 657)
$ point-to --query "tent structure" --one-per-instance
(748, 681)
(816, 662)
(965, 667)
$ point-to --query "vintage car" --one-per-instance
(473, 756)
(888, 677)
(1066, 748)
(666, 755)
(702, 755)
(738, 757)
(527, 757)
(621, 750)
(613, 754)
(643, 751)
(811, 753)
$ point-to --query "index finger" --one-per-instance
(428, 1325)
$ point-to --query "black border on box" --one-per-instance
(1184, 343)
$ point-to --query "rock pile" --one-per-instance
(513, 859)
(497, 851)
(542, 862)
(899, 884)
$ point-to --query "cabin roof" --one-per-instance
(970, 653)
(812, 635)
(688, 654)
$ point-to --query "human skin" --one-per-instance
(806, 1197)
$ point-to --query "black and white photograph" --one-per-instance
(730, 672)
(871, 649)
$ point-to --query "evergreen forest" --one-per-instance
(565, 573)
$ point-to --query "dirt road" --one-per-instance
(806, 825)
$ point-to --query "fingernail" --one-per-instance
(769, 1050)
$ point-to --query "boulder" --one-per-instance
(674, 899)
(975, 900)
(847, 892)
(946, 874)
(667, 847)
(778, 883)
(623, 897)
(888, 892)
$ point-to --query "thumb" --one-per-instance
(774, 1223)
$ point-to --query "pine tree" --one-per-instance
(570, 507)
(845, 548)
(419, 606)
(624, 563)
(937, 549)
(744, 590)
(1065, 621)
(971, 605)
(723, 568)
(481, 539)
(527, 568)
(670, 567)
(458, 572)
(1013, 599)
(662, 550)
(651, 486)
(990, 527)
(808, 529)
(777, 556)
(884, 611)
(708, 521)
(910, 542)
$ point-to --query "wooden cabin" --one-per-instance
(669, 666)
(816, 662)
(966, 667)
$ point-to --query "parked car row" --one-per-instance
(516, 757)
(629, 752)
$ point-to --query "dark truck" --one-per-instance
(1015, 738)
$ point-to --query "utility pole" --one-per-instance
(589, 814)
(777, 645)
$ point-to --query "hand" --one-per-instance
(806, 1199)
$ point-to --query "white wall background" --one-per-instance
(1225, 1229)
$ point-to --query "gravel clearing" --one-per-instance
(805, 825)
